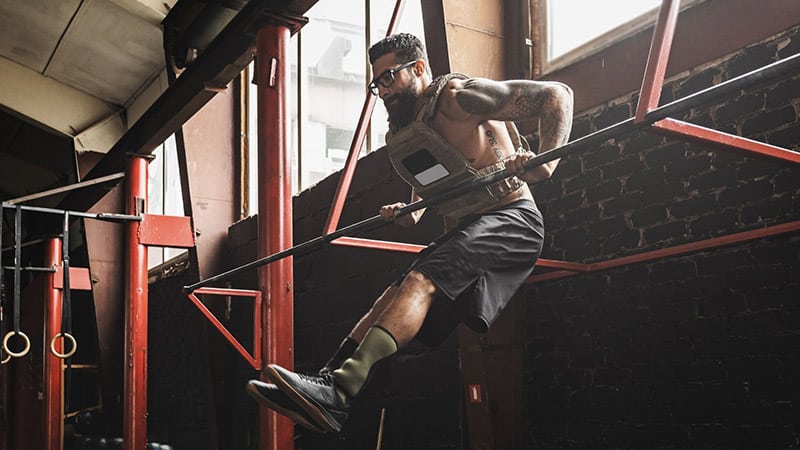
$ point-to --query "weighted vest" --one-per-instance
(426, 161)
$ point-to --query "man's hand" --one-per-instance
(388, 214)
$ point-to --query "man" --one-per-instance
(442, 132)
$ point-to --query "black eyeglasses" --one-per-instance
(387, 77)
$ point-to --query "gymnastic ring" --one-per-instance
(6, 359)
(67, 337)
(24, 337)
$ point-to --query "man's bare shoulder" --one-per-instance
(448, 106)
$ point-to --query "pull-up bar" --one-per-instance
(750, 79)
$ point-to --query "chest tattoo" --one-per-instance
(493, 144)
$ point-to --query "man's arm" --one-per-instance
(522, 100)
(387, 212)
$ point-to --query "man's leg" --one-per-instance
(326, 398)
(350, 343)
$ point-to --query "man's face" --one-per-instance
(397, 86)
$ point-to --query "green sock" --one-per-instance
(376, 345)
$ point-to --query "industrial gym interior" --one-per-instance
(183, 183)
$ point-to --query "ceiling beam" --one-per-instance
(57, 106)
(221, 62)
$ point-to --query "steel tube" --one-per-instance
(111, 217)
(275, 216)
(787, 65)
(53, 373)
(134, 427)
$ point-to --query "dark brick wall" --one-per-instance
(693, 351)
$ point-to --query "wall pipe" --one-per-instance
(788, 65)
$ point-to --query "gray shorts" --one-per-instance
(478, 266)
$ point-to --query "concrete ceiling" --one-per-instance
(69, 71)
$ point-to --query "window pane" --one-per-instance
(331, 74)
(572, 23)
(410, 22)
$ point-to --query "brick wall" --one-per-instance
(693, 351)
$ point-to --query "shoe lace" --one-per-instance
(323, 379)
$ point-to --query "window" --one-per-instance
(164, 195)
(574, 29)
(330, 73)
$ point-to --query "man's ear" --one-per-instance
(419, 67)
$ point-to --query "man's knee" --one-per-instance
(419, 282)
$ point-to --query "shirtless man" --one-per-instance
(442, 132)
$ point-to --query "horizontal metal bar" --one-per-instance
(787, 65)
(378, 245)
(691, 247)
(32, 269)
(110, 217)
(680, 129)
(60, 190)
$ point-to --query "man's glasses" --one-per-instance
(387, 77)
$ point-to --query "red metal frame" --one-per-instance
(691, 247)
(275, 215)
(358, 141)
(53, 372)
(166, 231)
(134, 426)
(696, 133)
(79, 278)
(652, 84)
(253, 359)
(656, 67)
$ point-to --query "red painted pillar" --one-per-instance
(53, 369)
(275, 216)
(134, 427)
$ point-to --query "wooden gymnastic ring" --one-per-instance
(6, 359)
(66, 337)
(24, 337)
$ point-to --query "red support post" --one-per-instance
(275, 215)
(134, 427)
(53, 369)
(657, 60)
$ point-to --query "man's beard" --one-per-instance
(402, 112)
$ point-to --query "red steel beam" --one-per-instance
(79, 279)
(134, 427)
(255, 359)
(684, 130)
(166, 231)
(657, 59)
(691, 247)
(53, 372)
(358, 141)
(275, 216)
(415, 248)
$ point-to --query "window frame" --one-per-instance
(595, 45)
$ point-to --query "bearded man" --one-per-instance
(442, 132)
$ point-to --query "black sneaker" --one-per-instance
(273, 398)
(316, 395)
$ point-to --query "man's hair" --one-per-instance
(406, 46)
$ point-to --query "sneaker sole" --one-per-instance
(308, 407)
(293, 415)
